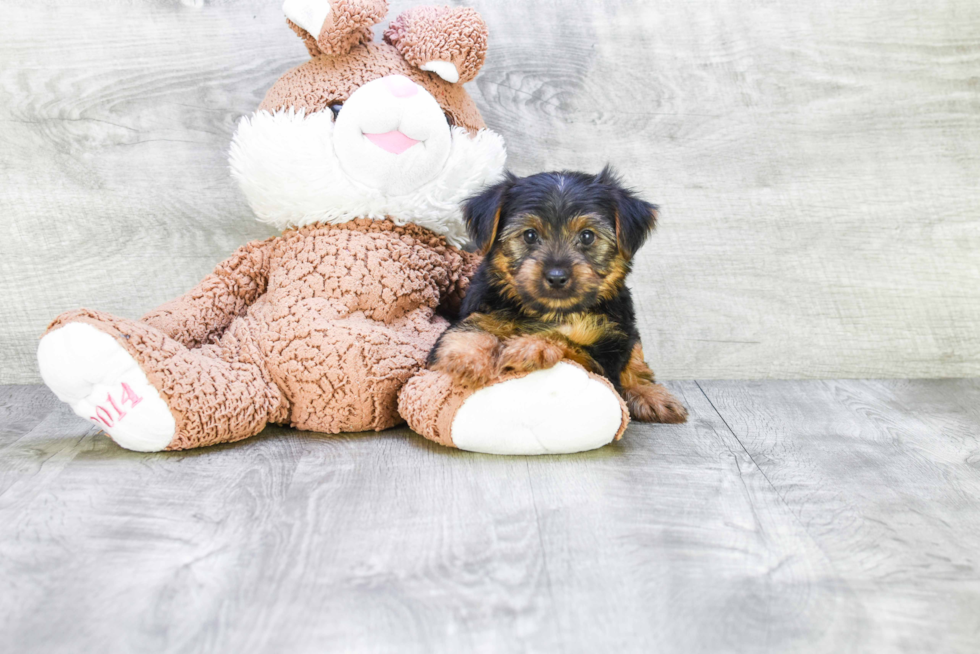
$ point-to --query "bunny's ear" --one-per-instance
(450, 42)
(333, 27)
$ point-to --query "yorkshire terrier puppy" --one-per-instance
(552, 286)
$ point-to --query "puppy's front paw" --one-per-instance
(469, 356)
(529, 353)
(653, 403)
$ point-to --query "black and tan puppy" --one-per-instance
(552, 286)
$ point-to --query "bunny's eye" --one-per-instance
(335, 108)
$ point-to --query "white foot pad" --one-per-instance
(101, 382)
(553, 411)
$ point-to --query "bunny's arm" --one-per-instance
(201, 315)
(462, 267)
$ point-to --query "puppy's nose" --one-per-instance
(400, 86)
(557, 277)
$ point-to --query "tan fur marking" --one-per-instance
(492, 323)
(583, 221)
(613, 282)
(584, 329)
(647, 401)
(598, 272)
(469, 356)
(505, 279)
(582, 358)
(493, 232)
(528, 353)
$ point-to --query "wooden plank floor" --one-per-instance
(825, 516)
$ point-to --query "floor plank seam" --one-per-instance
(302, 541)
(739, 441)
(775, 490)
(544, 553)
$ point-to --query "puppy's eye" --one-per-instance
(530, 236)
(449, 119)
(586, 237)
(335, 109)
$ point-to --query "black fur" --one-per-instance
(611, 353)
(556, 198)
(561, 193)
(636, 218)
(480, 212)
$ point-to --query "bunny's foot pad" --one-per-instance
(101, 382)
(557, 410)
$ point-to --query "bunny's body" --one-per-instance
(362, 155)
(319, 328)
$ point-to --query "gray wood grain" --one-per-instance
(817, 164)
(21, 409)
(884, 479)
(833, 517)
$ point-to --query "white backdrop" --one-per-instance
(818, 164)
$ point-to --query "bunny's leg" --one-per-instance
(552, 411)
(150, 393)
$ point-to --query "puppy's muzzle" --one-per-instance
(557, 278)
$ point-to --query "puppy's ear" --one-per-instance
(635, 218)
(482, 213)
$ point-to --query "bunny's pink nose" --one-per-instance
(400, 86)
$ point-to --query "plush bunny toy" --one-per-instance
(362, 155)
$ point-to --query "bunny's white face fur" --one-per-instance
(392, 136)
(298, 169)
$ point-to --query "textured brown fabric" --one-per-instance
(204, 312)
(430, 400)
(456, 35)
(324, 325)
(452, 301)
(622, 405)
(428, 403)
(217, 393)
(323, 81)
(308, 39)
(349, 23)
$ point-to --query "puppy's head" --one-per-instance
(559, 242)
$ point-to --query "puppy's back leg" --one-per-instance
(647, 400)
